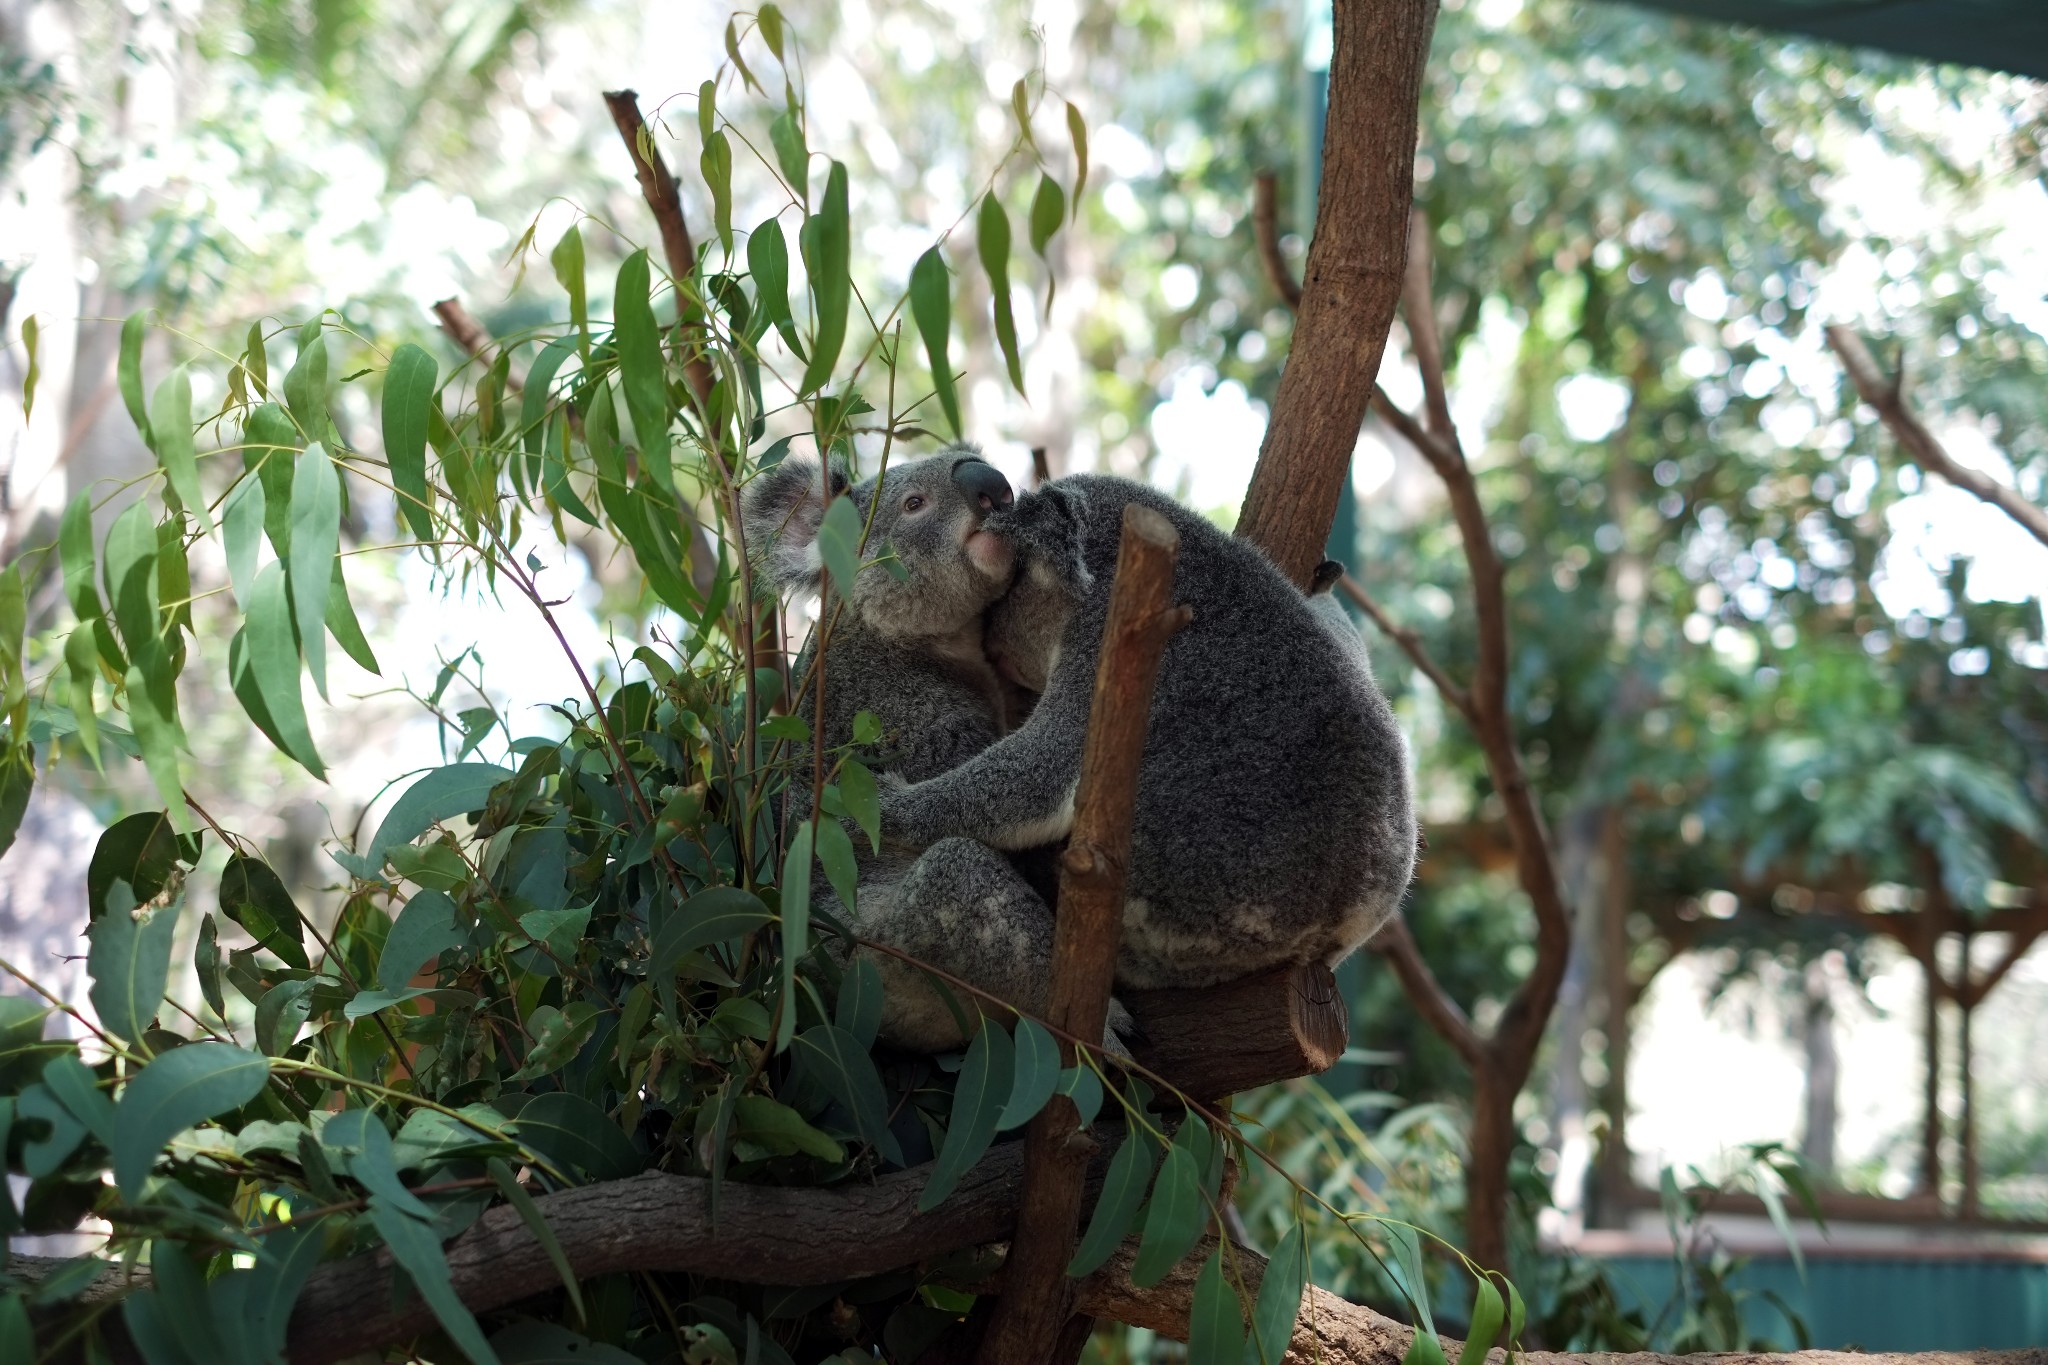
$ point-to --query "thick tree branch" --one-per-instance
(1266, 229)
(1027, 1323)
(1280, 1023)
(1352, 281)
(1397, 945)
(658, 188)
(1884, 395)
(1411, 645)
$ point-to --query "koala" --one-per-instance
(1274, 820)
(912, 652)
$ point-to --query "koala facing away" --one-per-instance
(1273, 822)
(911, 652)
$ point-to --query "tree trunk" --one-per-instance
(1352, 281)
(1823, 1073)
(1492, 1142)
(1966, 1006)
(1930, 1037)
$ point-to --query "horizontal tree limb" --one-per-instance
(1222, 1040)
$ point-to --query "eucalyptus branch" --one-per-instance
(1411, 645)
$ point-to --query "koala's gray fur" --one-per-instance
(1274, 821)
(911, 652)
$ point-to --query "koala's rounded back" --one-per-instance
(1274, 790)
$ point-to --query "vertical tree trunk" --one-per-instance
(1930, 1113)
(1823, 1073)
(1966, 1007)
(1352, 280)
(1620, 992)
(1492, 1140)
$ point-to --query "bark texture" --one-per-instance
(1028, 1322)
(1352, 280)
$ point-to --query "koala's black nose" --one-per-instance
(983, 484)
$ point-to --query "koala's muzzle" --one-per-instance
(983, 484)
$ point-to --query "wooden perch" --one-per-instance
(1351, 282)
(1885, 395)
(1028, 1322)
(1277, 1024)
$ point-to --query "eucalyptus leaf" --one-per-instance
(177, 1090)
(985, 1083)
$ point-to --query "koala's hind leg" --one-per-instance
(965, 909)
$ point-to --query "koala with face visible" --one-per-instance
(1274, 820)
(912, 653)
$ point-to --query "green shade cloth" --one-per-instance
(2004, 35)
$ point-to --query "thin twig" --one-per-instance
(1887, 397)
(1418, 308)
(1411, 645)
(466, 332)
(658, 188)
(1266, 227)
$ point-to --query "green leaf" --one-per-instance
(715, 916)
(424, 930)
(791, 155)
(858, 1010)
(279, 1013)
(840, 1064)
(130, 965)
(141, 850)
(414, 1246)
(305, 384)
(732, 51)
(985, 1081)
(158, 735)
(343, 625)
(269, 445)
(529, 1213)
(129, 562)
(408, 399)
(835, 851)
(130, 373)
(75, 1087)
(715, 163)
(765, 1120)
(567, 259)
(256, 360)
(577, 1136)
(17, 781)
(242, 527)
(931, 307)
(185, 1086)
(768, 263)
(82, 665)
(1487, 1313)
(22, 1048)
(1280, 1297)
(1518, 1312)
(170, 419)
(206, 965)
(770, 20)
(31, 332)
(640, 369)
(265, 670)
(1425, 1349)
(796, 926)
(1123, 1190)
(863, 800)
(839, 543)
(358, 1137)
(1037, 1074)
(316, 540)
(1406, 1272)
(1077, 132)
(286, 1261)
(1177, 1213)
(993, 243)
(441, 794)
(540, 382)
(17, 1334)
(1216, 1318)
(1048, 211)
(1081, 1085)
(40, 1156)
(74, 548)
(829, 261)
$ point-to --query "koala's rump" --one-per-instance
(1273, 820)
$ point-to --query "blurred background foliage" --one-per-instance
(1752, 646)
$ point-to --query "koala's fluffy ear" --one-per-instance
(781, 511)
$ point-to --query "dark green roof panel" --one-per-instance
(2004, 35)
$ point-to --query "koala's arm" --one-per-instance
(1017, 793)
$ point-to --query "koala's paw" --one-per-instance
(889, 780)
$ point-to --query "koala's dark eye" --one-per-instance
(913, 503)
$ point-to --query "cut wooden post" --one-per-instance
(1221, 1040)
(1037, 1296)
